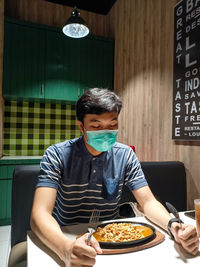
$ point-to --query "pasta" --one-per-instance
(121, 232)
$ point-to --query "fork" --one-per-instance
(94, 220)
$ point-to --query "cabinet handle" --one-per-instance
(42, 89)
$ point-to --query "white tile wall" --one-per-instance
(4, 245)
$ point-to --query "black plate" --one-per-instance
(128, 243)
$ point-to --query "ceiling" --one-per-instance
(101, 7)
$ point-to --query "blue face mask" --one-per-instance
(102, 140)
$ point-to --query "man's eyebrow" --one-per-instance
(115, 119)
(94, 120)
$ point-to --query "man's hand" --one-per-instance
(186, 235)
(81, 254)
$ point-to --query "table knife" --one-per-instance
(173, 210)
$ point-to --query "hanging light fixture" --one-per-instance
(75, 26)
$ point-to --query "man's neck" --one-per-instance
(91, 150)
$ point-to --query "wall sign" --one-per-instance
(186, 81)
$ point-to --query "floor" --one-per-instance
(4, 245)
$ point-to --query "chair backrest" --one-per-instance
(24, 181)
(167, 181)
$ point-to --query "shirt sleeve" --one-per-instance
(134, 176)
(50, 169)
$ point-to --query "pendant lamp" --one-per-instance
(75, 26)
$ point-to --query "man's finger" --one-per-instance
(81, 248)
(191, 240)
(192, 249)
(187, 232)
(95, 244)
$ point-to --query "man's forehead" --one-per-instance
(103, 116)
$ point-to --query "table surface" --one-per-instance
(167, 253)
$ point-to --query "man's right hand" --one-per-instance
(74, 253)
(82, 254)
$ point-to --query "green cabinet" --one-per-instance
(96, 63)
(23, 62)
(62, 70)
(40, 62)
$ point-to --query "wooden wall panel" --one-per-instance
(1, 68)
(143, 34)
(40, 11)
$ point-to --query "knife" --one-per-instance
(174, 211)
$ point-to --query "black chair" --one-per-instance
(167, 180)
(25, 178)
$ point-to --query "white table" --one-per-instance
(166, 254)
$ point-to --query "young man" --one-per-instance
(89, 172)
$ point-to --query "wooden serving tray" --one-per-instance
(159, 238)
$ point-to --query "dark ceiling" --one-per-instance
(101, 7)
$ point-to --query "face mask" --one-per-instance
(102, 140)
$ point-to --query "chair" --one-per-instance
(167, 181)
(23, 187)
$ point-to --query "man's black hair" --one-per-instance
(97, 101)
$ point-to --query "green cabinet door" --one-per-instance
(97, 61)
(5, 201)
(23, 74)
(74, 65)
(5, 193)
(62, 72)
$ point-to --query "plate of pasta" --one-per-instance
(123, 233)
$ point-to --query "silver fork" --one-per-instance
(92, 226)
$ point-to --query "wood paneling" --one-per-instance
(143, 31)
(43, 12)
(1, 68)
(143, 34)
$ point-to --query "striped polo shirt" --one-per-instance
(84, 182)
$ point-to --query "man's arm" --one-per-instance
(73, 253)
(151, 207)
(156, 212)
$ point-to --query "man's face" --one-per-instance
(94, 122)
(105, 121)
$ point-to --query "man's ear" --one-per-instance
(80, 125)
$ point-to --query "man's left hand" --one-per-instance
(186, 235)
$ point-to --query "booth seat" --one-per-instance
(167, 181)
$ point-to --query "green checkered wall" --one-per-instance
(30, 127)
